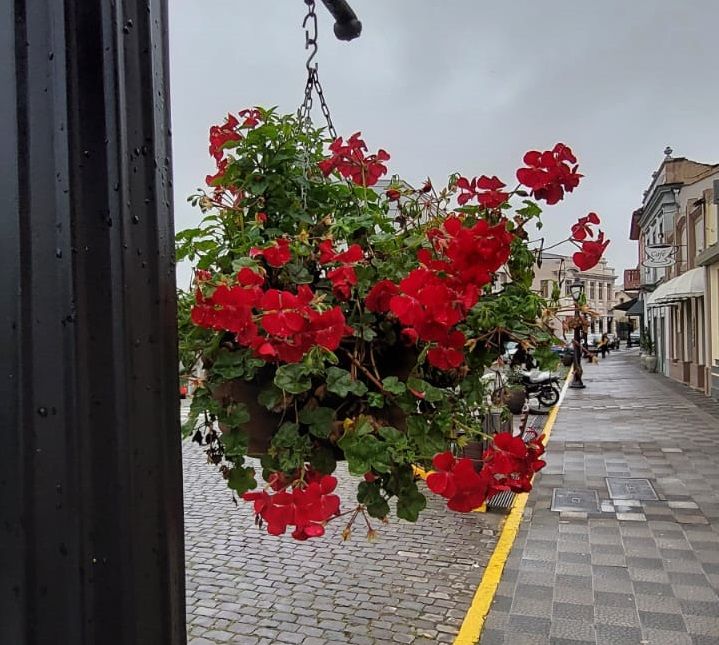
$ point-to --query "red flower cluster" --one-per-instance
(225, 133)
(433, 298)
(509, 464)
(550, 173)
(591, 250)
(486, 190)
(457, 481)
(288, 325)
(590, 253)
(343, 278)
(512, 462)
(307, 506)
(350, 161)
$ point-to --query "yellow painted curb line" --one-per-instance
(473, 622)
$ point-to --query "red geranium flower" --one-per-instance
(379, 296)
(550, 173)
(343, 279)
(307, 506)
(221, 134)
(327, 253)
(252, 117)
(277, 254)
(212, 180)
(582, 229)
(457, 481)
(486, 190)
(393, 195)
(590, 253)
(350, 161)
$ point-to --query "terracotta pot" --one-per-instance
(263, 423)
(514, 399)
(567, 360)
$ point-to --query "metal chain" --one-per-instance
(313, 81)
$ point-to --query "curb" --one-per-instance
(473, 623)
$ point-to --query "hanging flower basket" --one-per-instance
(338, 320)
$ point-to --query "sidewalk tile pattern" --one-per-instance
(637, 571)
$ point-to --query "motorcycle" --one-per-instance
(542, 385)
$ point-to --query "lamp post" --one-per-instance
(576, 289)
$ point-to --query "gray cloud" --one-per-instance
(468, 85)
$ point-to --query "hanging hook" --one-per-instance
(310, 35)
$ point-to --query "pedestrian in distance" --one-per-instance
(603, 345)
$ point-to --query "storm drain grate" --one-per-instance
(567, 499)
(631, 488)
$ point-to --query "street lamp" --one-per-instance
(576, 289)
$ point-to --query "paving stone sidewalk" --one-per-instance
(413, 585)
(632, 571)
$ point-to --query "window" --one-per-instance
(698, 235)
(600, 291)
(544, 288)
(592, 295)
(682, 250)
(609, 291)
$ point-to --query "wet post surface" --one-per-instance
(91, 529)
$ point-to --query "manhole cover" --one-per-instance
(565, 499)
(629, 488)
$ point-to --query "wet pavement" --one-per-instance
(641, 567)
(412, 585)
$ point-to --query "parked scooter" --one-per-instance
(542, 385)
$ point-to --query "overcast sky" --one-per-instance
(468, 86)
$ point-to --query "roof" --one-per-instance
(625, 306)
(637, 309)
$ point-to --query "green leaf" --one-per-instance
(341, 382)
(271, 397)
(431, 393)
(393, 385)
(323, 460)
(293, 378)
(410, 503)
(428, 439)
(234, 443)
(530, 209)
(390, 434)
(288, 436)
(375, 400)
(241, 479)
(234, 415)
(319, 421)
(229, 364)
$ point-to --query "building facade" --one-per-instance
(599, 289)
(678, 222)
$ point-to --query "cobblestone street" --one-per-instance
(412, 585)
(632, 570)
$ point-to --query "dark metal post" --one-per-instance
(577, 382)
(91, 531)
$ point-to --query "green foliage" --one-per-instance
(341, 382)
(373, 401)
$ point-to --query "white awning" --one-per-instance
(688, 285)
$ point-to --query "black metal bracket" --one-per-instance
(347, 26)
